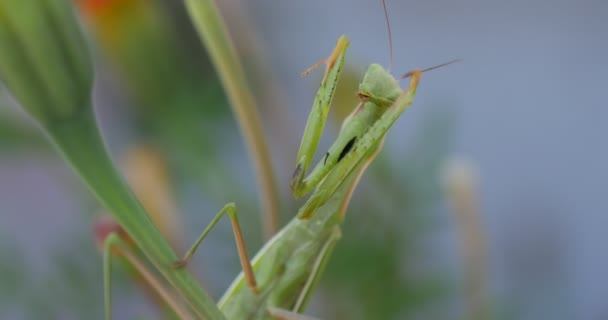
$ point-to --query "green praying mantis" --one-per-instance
(285, 272)
(280, 279)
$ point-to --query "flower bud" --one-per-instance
(44, 60)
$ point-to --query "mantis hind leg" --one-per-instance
(115, 245)
(229, 209)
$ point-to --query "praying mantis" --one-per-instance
(279, 281)
(282, 276)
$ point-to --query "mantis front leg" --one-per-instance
(382, 102)
(229, 209)
(364, 146)
(318, 116)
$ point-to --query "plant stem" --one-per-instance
(81, 145)
(212, 31)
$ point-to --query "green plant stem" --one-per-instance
(81, 145)
(212, 31)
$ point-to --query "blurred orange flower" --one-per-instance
(102, 8)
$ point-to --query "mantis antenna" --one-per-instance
(390, 37)
(390, 48)
(409, 74)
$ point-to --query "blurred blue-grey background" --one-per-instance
(526, 106)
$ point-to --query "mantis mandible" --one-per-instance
(281, 278)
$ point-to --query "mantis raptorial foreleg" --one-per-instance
(363, 140)
(362, 146)
(229, 209)
(318, 115)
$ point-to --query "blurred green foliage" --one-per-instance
(16, 135)
(168, 76)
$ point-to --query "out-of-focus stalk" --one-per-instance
(460, 182)
(213, 32)
(146, 171)
(45, 64)
(171, 81)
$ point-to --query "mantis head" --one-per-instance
(379, 85)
